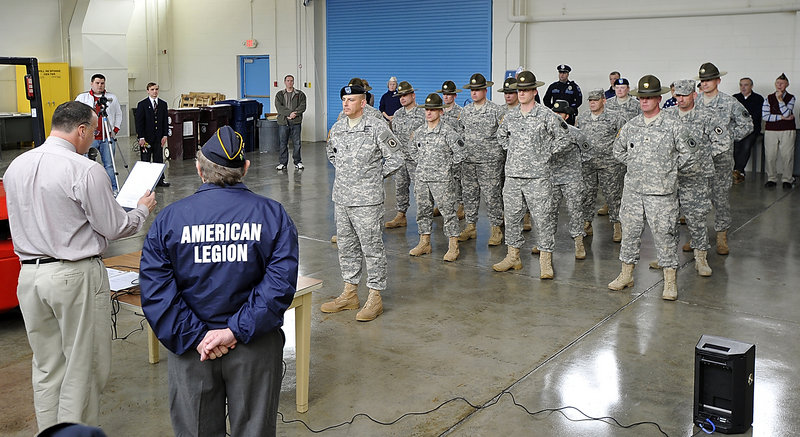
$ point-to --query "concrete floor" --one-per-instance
(459, 329)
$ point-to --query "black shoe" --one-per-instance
(787, 185)
(163, 184)
(770, 184)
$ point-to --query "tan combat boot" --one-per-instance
(372, 309)
(496, 238)
(625, 278)
(460, 211)
(688, 246)
(670, 287)
(535, 250)
(603, 210)
(398, 221)
(546, 265)
(468, 233)
(654, 265)
(511, 261)
(436, 212)
(348, 300)
(423, 247)
(334, 239)
(701, 263)
(580, 250)
(722, 242)
(587, 227)
(617, 232)
(526, 222)
(452, 250)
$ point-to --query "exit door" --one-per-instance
(254, 79)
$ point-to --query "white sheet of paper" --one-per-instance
(120, 280)
(144, 176)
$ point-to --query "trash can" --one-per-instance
(268, 135)
(243, 120)
(212, 117)
(182, 139)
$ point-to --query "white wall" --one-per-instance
(596, 37)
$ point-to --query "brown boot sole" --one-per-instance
(515, 267)
(391, 225)
(669, 298)
(450, 259)
(367, 319)
(470, 236)
(629, 284)
(331, 311)
(545, 276)
(577, 256)
(722, 251)
(424, 251)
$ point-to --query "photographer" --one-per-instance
(104, 103)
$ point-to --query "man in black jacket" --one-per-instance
(741, 149)
(152, 127)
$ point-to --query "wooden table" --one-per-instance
(301, 301)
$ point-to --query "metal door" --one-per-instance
(254, 79)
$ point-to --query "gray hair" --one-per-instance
(216, 174)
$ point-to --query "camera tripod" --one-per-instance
(110, 141)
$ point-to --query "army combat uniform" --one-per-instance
(568, 181)
(403, 123)
(627, 110)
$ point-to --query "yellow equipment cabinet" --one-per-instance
(54, 79)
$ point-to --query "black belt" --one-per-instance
(47, 260)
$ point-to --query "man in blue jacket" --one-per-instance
(218, 270)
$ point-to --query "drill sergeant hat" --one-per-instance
(526, 80)
(225, 148)
(357, 81)
(649, 86)
(506, 89)
(710, 71)
(433, 101)
(562, 106)
(684, 87)
(404, 88)
(449, 87)
(478, 82)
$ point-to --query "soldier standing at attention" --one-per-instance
(405, 120)
(451, 115)
(653, 147)
(563, 89)
(509, 94)
(483, 160)
(436, 148)
(363, 151)
(733, 124)
(530, 135)
(600, 127)
(622, 103)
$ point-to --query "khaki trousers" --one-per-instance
(67, 311)
(779, 154)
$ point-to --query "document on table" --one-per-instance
(144, 176)
(120, 280)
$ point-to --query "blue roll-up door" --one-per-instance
(422, 42)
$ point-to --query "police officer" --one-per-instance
(653, 147)
(530, 136)
(436, 148)
(483, 160)
(450, 115)
(601, 169)
(405, 120)
(622, 103)
(733, 123)
(363, 151)
(206, 260)
(563, 89)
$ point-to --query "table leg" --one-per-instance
(303, 352)
(152, 345)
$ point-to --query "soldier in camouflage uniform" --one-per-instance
(530, 135)
(568, 180)
(600, 126)
(732, 123)
(693, 189)
(512, 102)
(451, 115)
(483, 160)
(368, 110)
(653, 147)
(436, 148)
(405, 120)
(363, 151)
(622, 103)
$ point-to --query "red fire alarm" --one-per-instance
(250, 43)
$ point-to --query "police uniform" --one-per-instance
(569, 91)
(206, 261)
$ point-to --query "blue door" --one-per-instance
(255, 79)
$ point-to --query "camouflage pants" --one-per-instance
(537, 193)
(403, 179)
(457, 178)
(610, 180)
(661, 213)
(572, 193)
(695, 205)
(483, 178)
(443, 193)
(720, 190)
(359, 233)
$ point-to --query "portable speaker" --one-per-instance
(724, 372)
